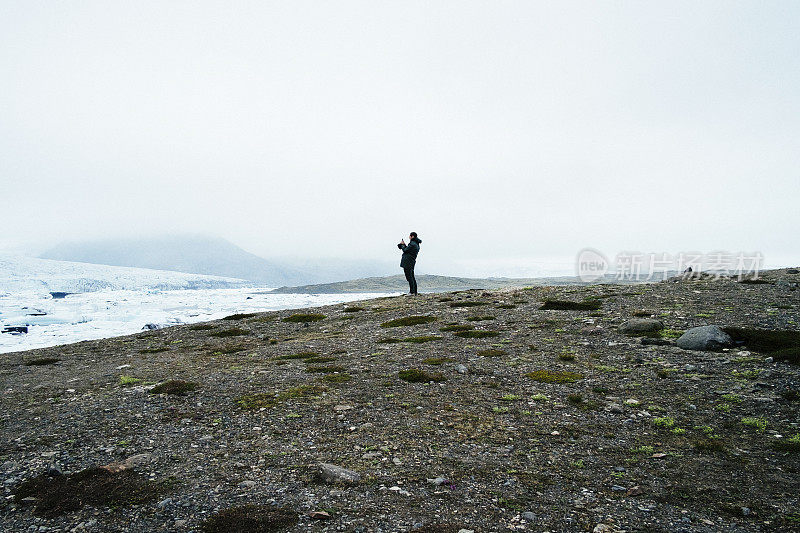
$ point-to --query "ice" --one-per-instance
(111, 301)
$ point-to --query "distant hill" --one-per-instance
(190, 254)
(215, 257)
(431, 283)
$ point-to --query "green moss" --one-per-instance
(319, 360)
(154, 350)
(506, 306)
(574, 398)
(415, 375)
(42, 361)
(709, 445)
(304, 317)
(174, 386)
(477, 334)
(492, 352)
(670, 333)
(554, 376)
(457, 327)
(563, 305)
(566, 356)
(240, 316)
(232, 332)
(353, 309)
(202, 327)
(231, 348)
(437, 360)
(468, 303)
(420, 340)
(664, 422)
(127, 381)
(480, 318)
(337, 378)
(250, 518)
(269, 399)
(759, 424)
(409, 321)
(299, 355)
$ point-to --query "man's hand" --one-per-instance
(402, 241)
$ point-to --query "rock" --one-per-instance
(437, 481)
(640, 326)
(466, 531)
(529, 516)
(603, 528)
(705, 338)
(15, 330)
(319, 515)
(792, 271)
(342, 407)
(336, 474)
(769, 360)
(130, 463)
(461, 369)
(615, 408)
(247, 484)
(165, 502)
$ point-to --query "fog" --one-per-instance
(506, 134)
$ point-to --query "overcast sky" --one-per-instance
(502, 132)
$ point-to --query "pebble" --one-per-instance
(462, 369)
(163, 503)
(618, 488)
(247, 484)
(529, 516)
(333, 474)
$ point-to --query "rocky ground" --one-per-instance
(512, 418)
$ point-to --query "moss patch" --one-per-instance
(42, 361)
(492, 352)
(457, 327)
(564, 305)
(300, 355)
(249, 518)
(154, 350)
(202, 327)
(353, 309)
(554, 376)
(240, 316)
(477, 334)
(468, 303)
(55, 495)
(174, 386)
(232, 332)
(409, 321)
(270, 399)
(415, 375)
(480, 318)
(304, 317)
(437, 360)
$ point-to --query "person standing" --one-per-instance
(409, 259)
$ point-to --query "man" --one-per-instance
(409, 259)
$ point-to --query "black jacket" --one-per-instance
(410, 252)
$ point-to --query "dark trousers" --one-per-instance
(412, 281)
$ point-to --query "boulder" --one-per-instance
(705, 338)
(337, 474)
(640, 326)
